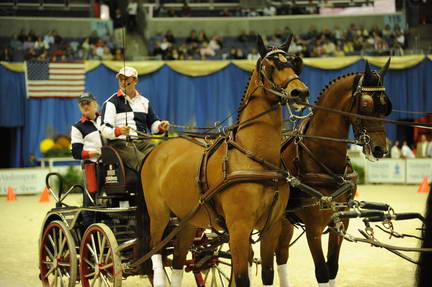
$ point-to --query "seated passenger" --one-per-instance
(125, 113)
(86, 140)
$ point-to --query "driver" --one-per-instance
(126, 112)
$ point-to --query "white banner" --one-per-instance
(23, 180)
(386, 171)
(417, 169)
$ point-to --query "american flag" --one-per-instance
(54, 80)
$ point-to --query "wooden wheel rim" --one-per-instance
(98, 259)
(57, 256)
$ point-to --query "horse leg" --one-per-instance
(268, 246)
(250, 269)
(158, 221)
(334, 246)
(182, 245)
(313, 234)
(239, 233)
(282, 251)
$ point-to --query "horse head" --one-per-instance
(370, 99)
(279, 73)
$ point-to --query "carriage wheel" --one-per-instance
(218, 272)
(99, 263)
(58, 259)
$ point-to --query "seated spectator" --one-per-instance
(22, 36)
(253, 55)
(226, 13)
(339, 50)
(118, 55)
(6, 55)
(49, 39)
(40, 44)
(85, 48)
(44, 55)
(157, 50)
(406, 151)
(206, 51)
(395, 151)
(232, 54)
(186, 11)
(239, 55)
(193, 37)
(348, 47)
(106, 55)
(215, 43)
(28, 44)
(161, 10)
(32, 35)
(170, 36)
(30, 55)
(202, 37)
(329, 48)
(15, 43)
(269, 10)
(311, 8)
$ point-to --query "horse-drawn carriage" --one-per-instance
(96, 242)
(208, 185)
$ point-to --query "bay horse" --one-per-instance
(324, 166)
(240, 172)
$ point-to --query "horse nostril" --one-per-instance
(378, 152)
(296, 93)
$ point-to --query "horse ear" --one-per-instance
(385, 68)
(261, 47)
(368, 70)
(287, 44)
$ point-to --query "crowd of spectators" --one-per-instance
(282, 8)
(356, 40)
(53, 47)
(423, 149)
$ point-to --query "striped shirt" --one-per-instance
(120, 110)
(85, 137)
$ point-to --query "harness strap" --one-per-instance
(235, 177)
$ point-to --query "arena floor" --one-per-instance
(360, 264)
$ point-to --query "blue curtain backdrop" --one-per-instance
(183, 100)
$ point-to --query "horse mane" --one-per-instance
(243, 99)
(332, 82)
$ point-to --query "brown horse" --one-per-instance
(324, 166)
(241, 171)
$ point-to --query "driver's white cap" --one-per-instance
(128, 72)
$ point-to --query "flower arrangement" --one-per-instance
(58, 146)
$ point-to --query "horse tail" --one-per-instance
(142, 231)
(424, 276)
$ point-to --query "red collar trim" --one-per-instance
(120, 93)
(84, 118)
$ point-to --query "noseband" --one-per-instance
(363, 102)
(263, 76)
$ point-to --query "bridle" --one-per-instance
(266, 76)
(365, 100)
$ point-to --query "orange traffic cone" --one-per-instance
(424, 185)
(44, 197)
(10, 194)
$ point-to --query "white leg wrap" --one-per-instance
(158, 272)
(250, 273)
(323, 284)
(267, 285)
(176, 277)
(283, 275)
(332, 282)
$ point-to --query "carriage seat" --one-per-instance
(116, 178)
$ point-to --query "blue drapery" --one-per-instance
(183, 100)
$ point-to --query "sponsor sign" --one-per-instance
(417, 169)
(23, 180)
(386, 171)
